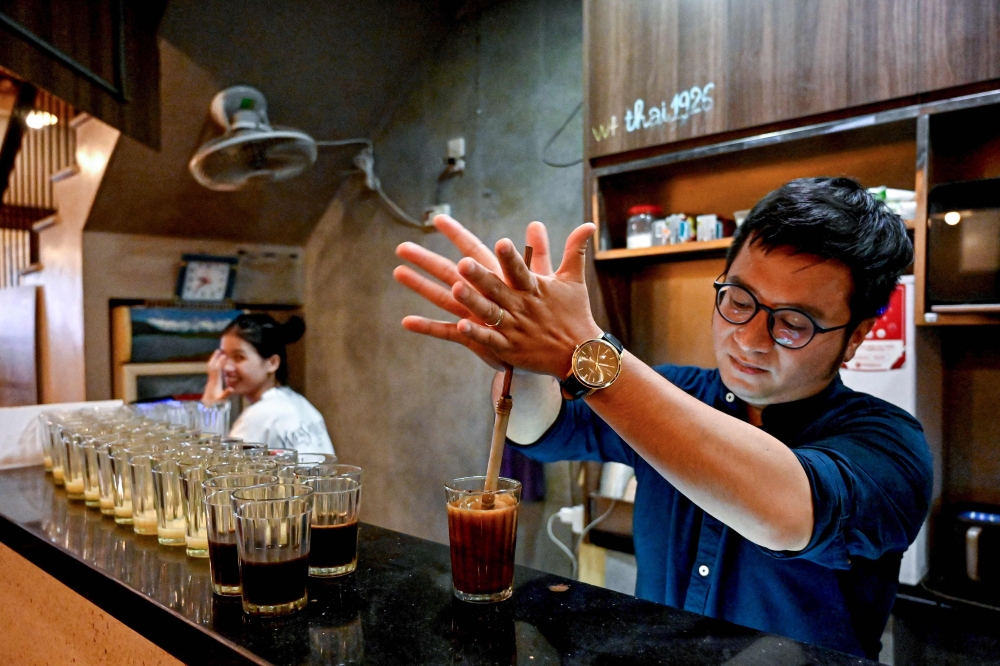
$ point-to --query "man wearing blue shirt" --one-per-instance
(769, 494)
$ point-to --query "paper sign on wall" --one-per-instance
(884, 347)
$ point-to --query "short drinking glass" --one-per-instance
(272, 528)
(336, 502)
(482, 529)
(220, 526)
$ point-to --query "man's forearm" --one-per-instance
(537, 403)
(735, 472)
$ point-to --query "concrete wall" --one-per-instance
(413, 411)
(132, 266)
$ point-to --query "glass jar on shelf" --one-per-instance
(639, 233)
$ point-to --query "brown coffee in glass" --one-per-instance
(482, 529)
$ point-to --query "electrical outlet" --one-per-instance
(456, 148)
(456, 157)
(437, 209)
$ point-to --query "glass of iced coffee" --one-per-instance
(482, 530)
(273, 535)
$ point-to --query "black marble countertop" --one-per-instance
(397, 608)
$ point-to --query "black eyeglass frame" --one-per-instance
(758, 306)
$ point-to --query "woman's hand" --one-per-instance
(215, 391)
(544, 317)
(445, 271)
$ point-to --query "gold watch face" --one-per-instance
(596, 363)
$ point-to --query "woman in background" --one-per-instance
(251, 362)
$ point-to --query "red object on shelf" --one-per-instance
(647, 209)
(884, 348)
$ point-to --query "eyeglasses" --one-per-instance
(790, 328)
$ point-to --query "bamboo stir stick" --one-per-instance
(502, 408)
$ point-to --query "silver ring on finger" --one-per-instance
(497, 322)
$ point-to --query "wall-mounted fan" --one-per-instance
(252, 150)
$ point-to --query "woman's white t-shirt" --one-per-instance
(283, 418)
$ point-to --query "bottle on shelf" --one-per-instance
(640, 226)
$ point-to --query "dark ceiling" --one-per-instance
(334, 69)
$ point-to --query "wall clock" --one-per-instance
(206, 278)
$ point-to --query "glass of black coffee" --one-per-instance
(336, 502)
(220, 524)
(273, 538)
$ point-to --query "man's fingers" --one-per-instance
(537, 236)
(482, 308)
(486, 283)
(575, 254)
(487, 337)
(441, 330)
(466, 241)
(440, 267)
(448, 331)
(430, 290)
(514, 269)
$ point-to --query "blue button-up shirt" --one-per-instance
(871, 476)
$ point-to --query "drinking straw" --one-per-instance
(502, 408)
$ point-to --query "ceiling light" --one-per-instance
(953, 218)
(40, 119)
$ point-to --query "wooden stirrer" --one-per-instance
(503, 406)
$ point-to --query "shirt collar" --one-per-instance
(783, 420)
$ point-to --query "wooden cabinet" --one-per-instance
(663, 71)
(663, 310)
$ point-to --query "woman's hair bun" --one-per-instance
(293, 329)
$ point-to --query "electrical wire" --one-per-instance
(561, 165)
(594, 523)
(365, 163)
(949, 597)
(574, 558)
(560, 544)
(345, 142)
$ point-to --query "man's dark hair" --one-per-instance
(833, 218)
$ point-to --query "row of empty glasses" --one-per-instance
(265, 517)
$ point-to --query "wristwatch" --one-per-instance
(596, 364)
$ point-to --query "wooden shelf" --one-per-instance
(953, 319)
(680, 248)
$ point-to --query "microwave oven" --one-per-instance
(963, 247)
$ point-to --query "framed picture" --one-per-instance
(205, 278)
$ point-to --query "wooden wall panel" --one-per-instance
(18, 359)
(771, 61)
(958, 42)
(72, 49)
(880, 60)
(672, 306)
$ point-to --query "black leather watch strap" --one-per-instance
(614, 342)
(573, 389)
(572, 386)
